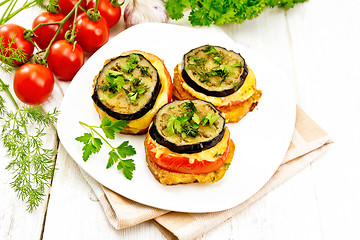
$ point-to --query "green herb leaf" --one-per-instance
(196, 118)
(144, 71)
(212, 117)
(210, 49)
(219, 12)
(114, 73)
(238, 64)
(189, 105)
(93, 145)
(227, 68)
(127, 166)
(113, 157)
(170, 125)
(125, 150)
(110, 128)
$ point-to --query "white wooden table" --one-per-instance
(317, 44)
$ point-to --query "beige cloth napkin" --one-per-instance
(309, 142)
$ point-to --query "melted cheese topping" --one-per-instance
(210, 154)
(241, 95)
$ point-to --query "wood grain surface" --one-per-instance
(317, 45)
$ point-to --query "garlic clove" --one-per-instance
(141, 11)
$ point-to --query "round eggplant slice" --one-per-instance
(127, 87)
(188, 126)
(214, 71)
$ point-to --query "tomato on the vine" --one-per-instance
(33, 83)
(44, 34)
(91, 35)
(109, 9)
(14, 48)
(67, 5)
(65, 59)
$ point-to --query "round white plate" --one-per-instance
(261, 138)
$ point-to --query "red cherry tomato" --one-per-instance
(65, 59)
(107, 10)
(44, 34)
(67, 5)
(176, 162)
(33, 83)
(14, 42)
(91, 35)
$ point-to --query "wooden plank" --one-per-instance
(15, 221)
(75, 213)
(285, 213)
(326, 48)
(290, 211)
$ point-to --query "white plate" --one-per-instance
(261, 138)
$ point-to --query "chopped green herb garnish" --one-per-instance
(188, 122)
(144, 71)
(134, 94)
(131, 64)
(210, 118)
(189, 105)
(217, 154)
(210, 49)
(238, 64)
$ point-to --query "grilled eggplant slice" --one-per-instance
(188, 126)
(127, 87)
(214, 71)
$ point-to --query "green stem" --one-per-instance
(6, 89)
(60, 23)
(4, 2)
(9, 14)
(2, 21)
(71, 39)
(93, 130)
(96, 5)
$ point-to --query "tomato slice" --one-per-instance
(185, 163)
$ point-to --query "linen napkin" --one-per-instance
(309, 142)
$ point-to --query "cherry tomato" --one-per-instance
(65, 59)
(33, 83)
(67, 5)
(45, 33)
(14, 42)
(176, 162)
(91, 35)
(107, 10)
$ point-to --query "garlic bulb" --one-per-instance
(141, 11)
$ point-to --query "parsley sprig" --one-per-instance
(219, 12)
(92, 145)
(32, 165)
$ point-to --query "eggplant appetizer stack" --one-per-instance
(219, 76)
(188, 142)
(132, 87)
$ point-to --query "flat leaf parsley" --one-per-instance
(94, 140)
(219, 12)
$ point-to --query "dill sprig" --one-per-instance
(32, 165)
